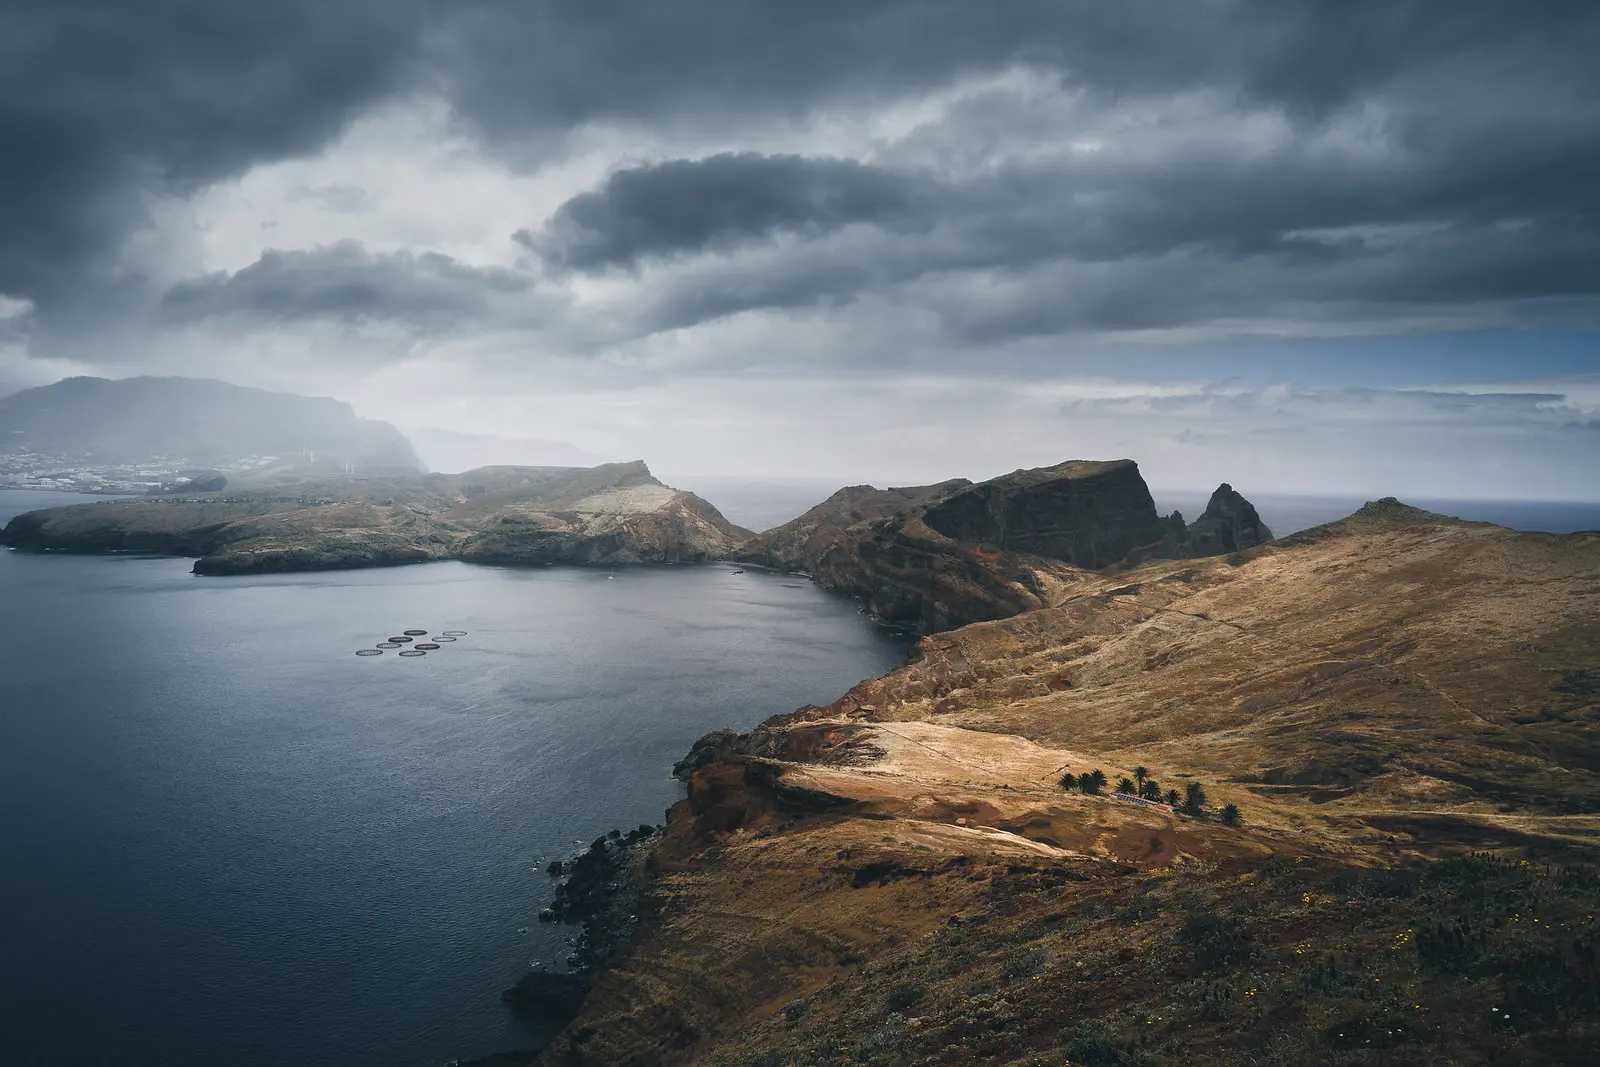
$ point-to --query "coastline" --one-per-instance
(835, 854)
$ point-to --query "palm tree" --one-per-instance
(1172, 797)
(1092, 782)
(1231, 815)
(1126, 787)
(1151, 790)
(1069, 781)
(1194, 799)
(1139, 775)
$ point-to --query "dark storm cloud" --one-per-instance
(1105, 244)
(102, 101)
(1484, 115)
(682, 206)
(347, 283)
(569, 61)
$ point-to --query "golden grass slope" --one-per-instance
(898, 878)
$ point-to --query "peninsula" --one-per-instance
(616, 513)
(1326, 799)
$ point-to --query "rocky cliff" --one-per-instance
(939, 556)
(1229, 524)
(1087, 514)
(900, 877)
(612, 514)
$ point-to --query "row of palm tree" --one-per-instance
(1192, 801)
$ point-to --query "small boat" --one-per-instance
(739, 571)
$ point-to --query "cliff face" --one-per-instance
(900, 878)
(612, 514)
(940, 556)
(1089, 515)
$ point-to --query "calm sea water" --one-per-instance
(225, 839)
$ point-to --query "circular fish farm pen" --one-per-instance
(413, 652)
(415, 633)
(389, 644)
(444, 639)
(428, 647)
(401, 640)
(455, 633)
(369, 651)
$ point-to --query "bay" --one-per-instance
(225, 838)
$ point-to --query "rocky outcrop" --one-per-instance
(1087, 514)
(940, 556)
(612, 514)
(645, 525)
(799, 543)
(1229, 524)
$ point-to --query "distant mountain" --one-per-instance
(451, 452)
(131, 420)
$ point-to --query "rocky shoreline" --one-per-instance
(601, 891)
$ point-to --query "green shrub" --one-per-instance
(905, 996)
(1094, 1043)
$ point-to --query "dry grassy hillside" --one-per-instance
(1404, 708)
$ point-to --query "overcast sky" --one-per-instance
(1347, 245)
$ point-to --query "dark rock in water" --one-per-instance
(600, 892)
(514, 1058)
(547, 995)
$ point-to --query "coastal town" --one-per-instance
(23, 468)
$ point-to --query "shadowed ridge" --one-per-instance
(1391, 510)
(1387, 513)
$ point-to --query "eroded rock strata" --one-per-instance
(612, 514)
(939, 556)
(899, 877)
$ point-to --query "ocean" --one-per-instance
(227, 839)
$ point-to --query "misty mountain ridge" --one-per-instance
(131, 420)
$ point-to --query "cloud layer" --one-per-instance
(600, 200)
